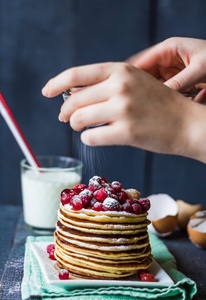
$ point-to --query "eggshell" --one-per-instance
(162, 214)
(185, 211)
(196, 229)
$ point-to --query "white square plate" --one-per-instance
(51, 274)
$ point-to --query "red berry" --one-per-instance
(97, 206)
(143, 271)
(51, 255)
(104, 179)
(86, 196)
(77, 203)
(147, 277)
(101, 194)
(122, 197)
(110, 189)
(130, 201)
(92, 202)
(80, 186)
(145, 203)
(111, 204)
(63, 274)
(136, 208)
(116, 185)
(50, 247)
(127, 207)
(65, 192)
(96, 183)
(65, 198)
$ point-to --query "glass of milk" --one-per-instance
(41, 189)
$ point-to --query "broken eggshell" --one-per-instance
(185, 211)
(196, 229)
(162, 214)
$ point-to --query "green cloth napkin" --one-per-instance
(33, 283)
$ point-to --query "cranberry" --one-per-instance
(63, 274)
(97, 206)
(143, 271)
(77, 203)
(50, 247)
(101, 194)
(86, 196)
(122, 197)
(127, 207)
(111, 204)
(80, 187)
(136, 208)
(51, 255)
(145, 203)
(92, 202)
(116, 185)
(65, 192)
(95, 183)
(65, 196)
(110, 189)
(104, 180)
(130, 201)
(147, 277)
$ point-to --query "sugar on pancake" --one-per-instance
(101, 231)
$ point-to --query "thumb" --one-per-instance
(185, 79)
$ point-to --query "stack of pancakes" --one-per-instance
(101, 245)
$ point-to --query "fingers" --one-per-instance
(102, 136)
(201, 96)
(84, 97)
(91, 115)
(79, 76)
(185, 79)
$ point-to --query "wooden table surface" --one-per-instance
(190, 260)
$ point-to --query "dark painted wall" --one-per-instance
(38, 39)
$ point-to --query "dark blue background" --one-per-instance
(39, 39)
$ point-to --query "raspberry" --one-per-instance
(51, 255)
(97, 206)
(116, 185)
(137, 209)
(127, 207)
(86, 196)
(63, 274)
(122, 197)
(145, 203)
(111, 204)
(101, 194)
(50, 247)
(77, 203)
(147, 277)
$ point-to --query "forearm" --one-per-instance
(195, 132)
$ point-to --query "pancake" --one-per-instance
(102, 238)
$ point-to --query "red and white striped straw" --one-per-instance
(18, 134)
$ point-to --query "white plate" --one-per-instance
(51, 274)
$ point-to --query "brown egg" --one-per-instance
(162, 214)
(185, 211)
(196, 229)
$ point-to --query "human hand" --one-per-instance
(140, 111)
(178, 62)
